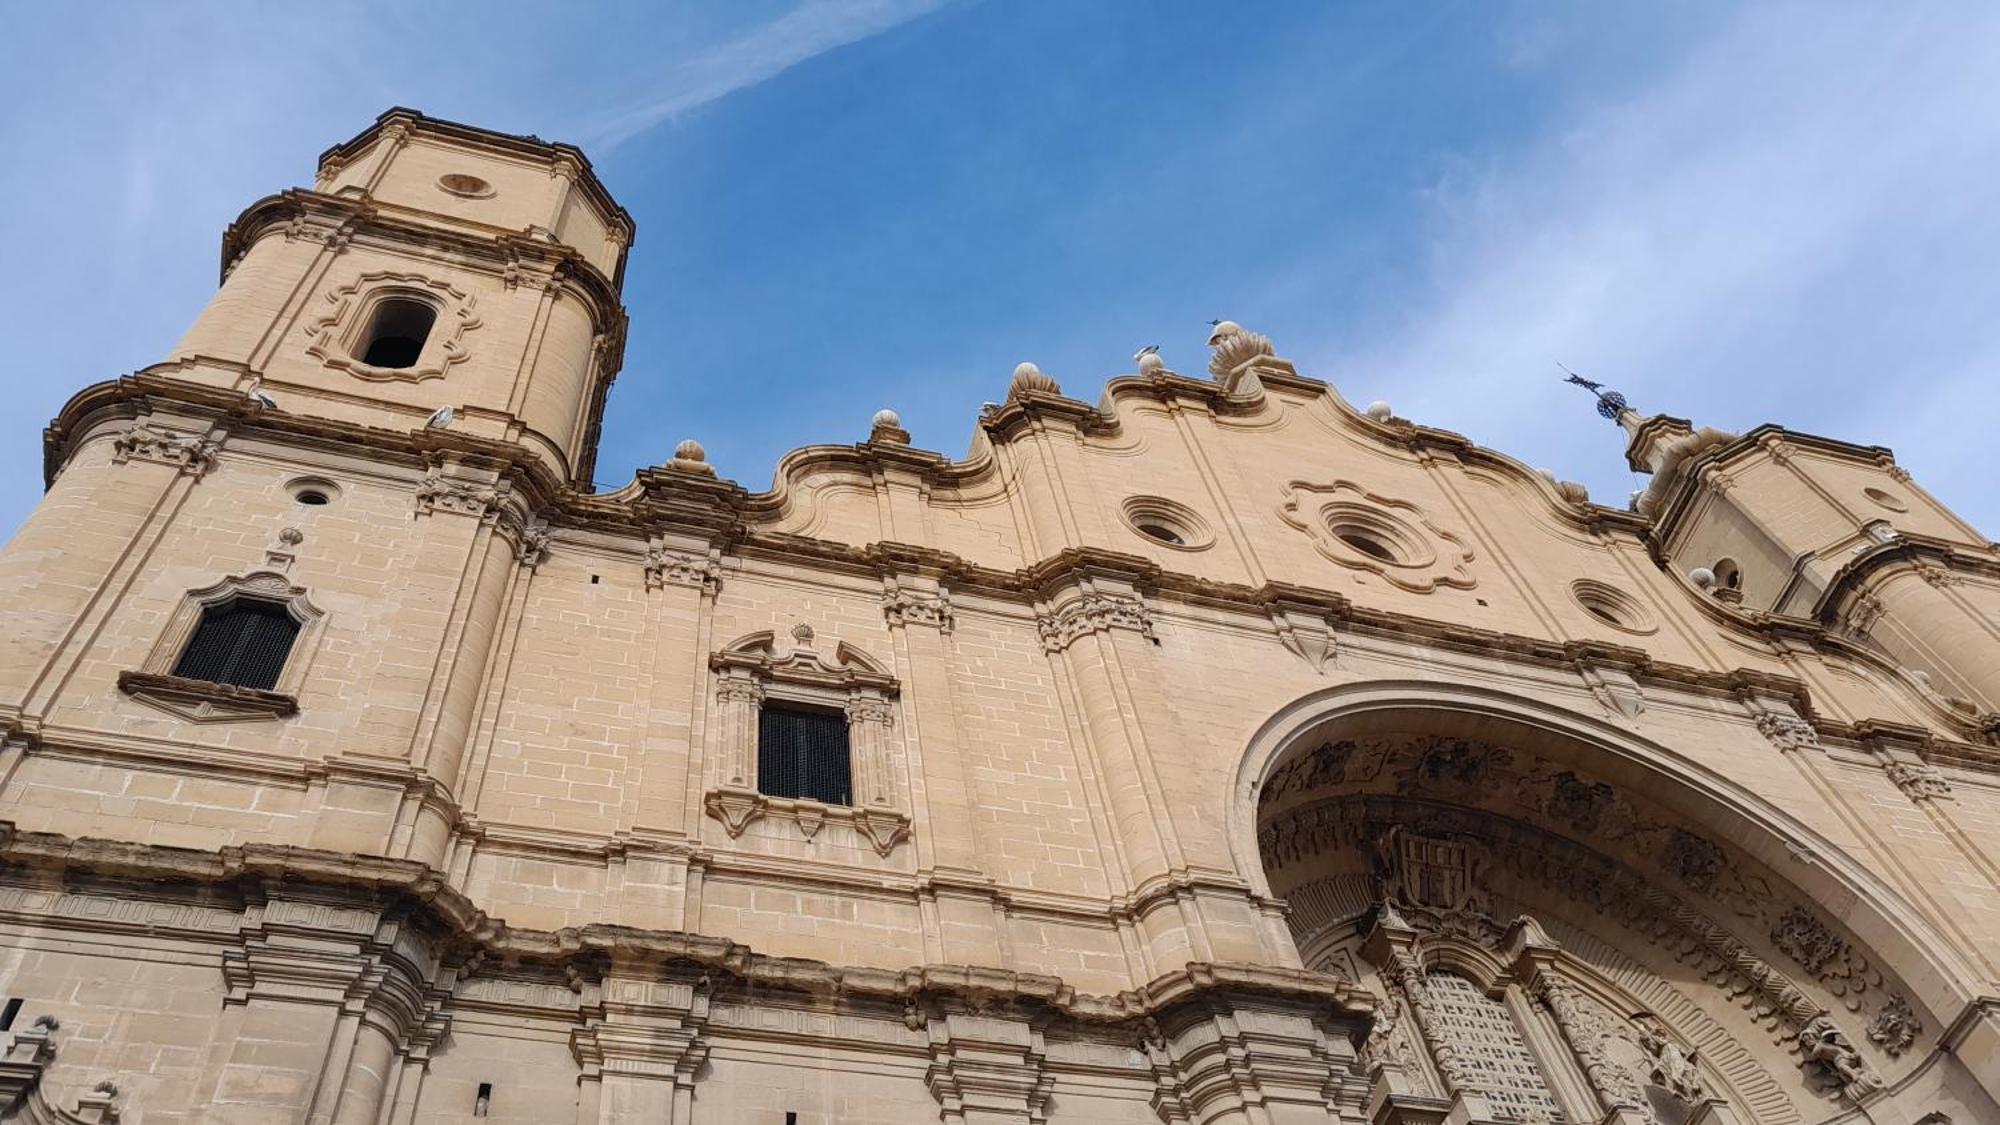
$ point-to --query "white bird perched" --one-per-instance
(255, 394)
(1140, 355)
(440, 419)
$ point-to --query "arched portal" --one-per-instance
(1571, 924)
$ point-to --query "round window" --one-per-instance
(1168, 523)
(313, 492)
(1612, 606)
(1377, 536)
(1887, 500)
(459, 183)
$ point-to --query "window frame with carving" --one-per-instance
(339, 336)
(157, 683)
(755, 672)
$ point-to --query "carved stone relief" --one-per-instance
(1428, 852)
(1094, 613)
(1392, 538)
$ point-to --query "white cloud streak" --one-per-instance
(1792, 220)
(757, 56)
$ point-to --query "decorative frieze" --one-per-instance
(191, 453)
(1895, 1027)
(1920, 781)
(666, 567)
(911, 607)
(1787, 731)
(441, 493)
(1094, 613)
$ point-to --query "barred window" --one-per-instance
(802, 752)
(243, 641)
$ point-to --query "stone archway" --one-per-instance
(1658, 965)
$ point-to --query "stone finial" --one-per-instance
(1380, 411)
(690, 457)
(888, 427)
(1150, 363)
(1028, 377)
(1233, 346)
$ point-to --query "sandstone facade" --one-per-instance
(1219, 752)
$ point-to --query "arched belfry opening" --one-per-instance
(1555, 940)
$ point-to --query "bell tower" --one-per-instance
(1803, 526)
(431, 265)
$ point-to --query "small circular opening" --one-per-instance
(1368, 545)
(313, 492)
(1163, 534)
(1603, 614)
(458, 183)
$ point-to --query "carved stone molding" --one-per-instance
(1392, 538)
(1895, 1028)
(440, 492)
(1094, 613)
(191, 453)
(1920, 781)
(911, 607)
(203, 701)
(338, 333)
(667, 567)
(1306, 634)
(984, 1069)
(1787, 731)
(737, 808)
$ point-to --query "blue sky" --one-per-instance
(1733, 213)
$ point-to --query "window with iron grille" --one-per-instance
(802, 752)
(243, 641)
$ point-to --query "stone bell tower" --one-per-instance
(432, 265)
(1797, 525)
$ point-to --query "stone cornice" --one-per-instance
(467, 935)
(512, 143)
(349, 219)
(665, 500)
(1908, 550)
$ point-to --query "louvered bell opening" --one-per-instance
(803, 753)
(243, 642)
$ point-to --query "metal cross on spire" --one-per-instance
(1610, 404)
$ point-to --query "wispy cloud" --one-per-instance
(1803, 195)
(810, 30)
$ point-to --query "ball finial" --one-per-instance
(1380, 411)
(690, 450)
(1151, 363)
(1028, 377)
(887, 419)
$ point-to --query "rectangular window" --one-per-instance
(243, 641)
(802, 752)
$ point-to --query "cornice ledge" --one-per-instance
(1200, 980)
(1909, 548)
(1026, 408)
(252, 868)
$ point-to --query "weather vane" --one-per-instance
(1610, 404)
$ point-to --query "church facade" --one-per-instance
(1217, 752)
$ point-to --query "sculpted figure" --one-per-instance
(1674, 1070)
